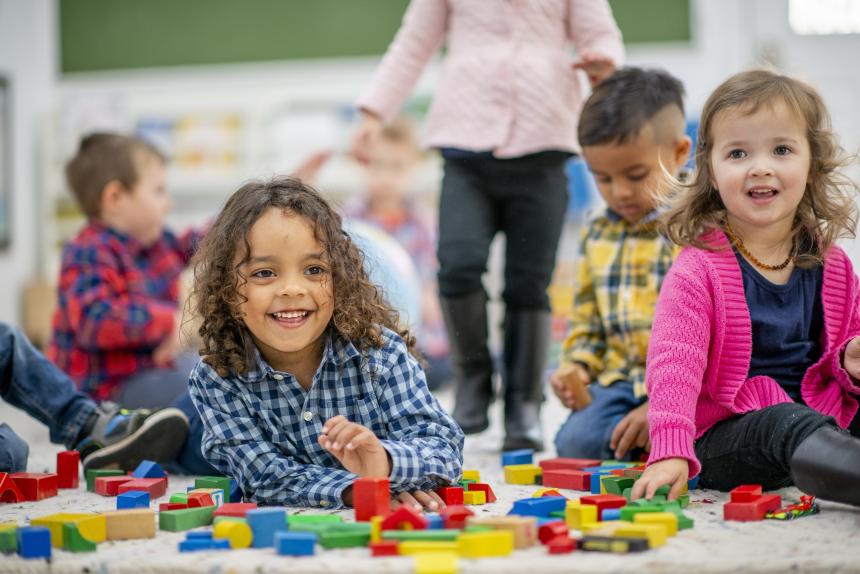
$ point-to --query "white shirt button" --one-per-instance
(278, 377)
(308, 415)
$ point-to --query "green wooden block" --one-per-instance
(663, 490)
(616, 484)
(185, 519)
(558, 514)
(73, 541)
(337, 538)
(684, 522)
(476, 528)
(9, 539)
(301, 519)
(179, 497)
(95, 473)
(640, 502)
(427, 535)
(628, 512)
(684, 499)
(221, 482)
(466, 482)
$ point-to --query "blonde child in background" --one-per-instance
(307, 382)
(754, 359)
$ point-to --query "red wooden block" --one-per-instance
(752, 511)
(552, 530)
(156, 487)
(561, 545)
(9, 491)
(485, 488)
(572, 479)
(404, 515)
(384, 548)
(171, 506)
(604, 501)
(746, 493)
(551, 492)
(199, 500)
(34, 485)
(455, 516)
(238, 509)
(618, 472)
(451, 495)
(109, 485)
(68, 463)
(568, 463)
(371, 497)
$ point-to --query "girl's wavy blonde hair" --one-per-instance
(360, 311)
(827, 210)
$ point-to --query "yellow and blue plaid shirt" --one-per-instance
(620, 271)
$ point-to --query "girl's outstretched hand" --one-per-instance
(419, 500)
(851, 358)
(356, 447)
(673, 471)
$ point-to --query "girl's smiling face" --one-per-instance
(289, 292)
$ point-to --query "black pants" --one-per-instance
(756, 448)
(526, 199)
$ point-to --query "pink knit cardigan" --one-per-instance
(701, 344)
(506, 83)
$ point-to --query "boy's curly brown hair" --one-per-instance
(360, 310)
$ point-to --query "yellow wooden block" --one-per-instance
(472, 475)
(411, 547)
(376, 528)
(436, 563)
(91, 526)
(668, 519)
(8, 525)
(130, 524)
(483, 544)
(541, 491)
(474, 497)
(654, 533)
(238, 533)
(522, 473)
(577, 514)
(523, 527)
(603, 528)
(684, 489)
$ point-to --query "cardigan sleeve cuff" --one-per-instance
(840, 374)
(674, 442)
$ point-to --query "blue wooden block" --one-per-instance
(604, 468)
(34, 542)
(295, 543)
(148, 469)
(198, 535)
(693, 483)
(196, 544)
(434, 521)
(132, 499)
(264, 523)
(522, 456)
(541, 521)
(611, 514)
(539, 507)
(595, 480)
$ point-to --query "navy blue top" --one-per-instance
(787, 321)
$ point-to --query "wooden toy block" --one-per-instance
(577, 514)
(751, 511)
(156, 487)
(616, 484)
(402, 518)
(455, 516)
(34, 542)
(375, 528)
(129, 524)
(611, 514)
(567, 463)
(472, 475)
(571, 479)
(35, 486)
(667, 519)
(602, 528)
(486, 489)
(8, 537)
(745, 493)
(371, 497)
(199, 500)
(603, 501)
(68, 473)
(633, 473)
(443, 535)
(684, 522)
(238, 533)
(197, 544)
(295, 543)
(540, 507)
(412, 547)
(220, 482)
(91, 526)
(186, 519)
(299, 521)
(523, 456)
(436, 563)
(524, 528)
(239, 509)
(464, 484)
(483, 544)
(522, 473)
(179, 498)
(265, 523)
(451, 495)
(350, 535)
(9, 491)
(596, 475)
(171, 506)
(550, 530)
(132, 499)
(215, 494)
(384, 548)
(477, 528)
(434, 521)
(612, 544)
(474, 497)
(546, 492)
(149, 469)
(109, 485)
(656, 534)
(561, 545)
(73, 541)
(92, 474)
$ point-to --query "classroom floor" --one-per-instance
(828, 542)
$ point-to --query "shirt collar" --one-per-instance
(132, 245)
(649, 218)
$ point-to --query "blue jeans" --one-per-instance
(29, 381)
(586, 433)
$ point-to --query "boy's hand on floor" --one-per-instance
(356, 447)
(570, 384)
(419, 500)
(631, 431)
(673, 471)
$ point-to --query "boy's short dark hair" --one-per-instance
(101, 159)
(622, 105)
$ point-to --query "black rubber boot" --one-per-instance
(827, 465)
(466, 323)
(527, 338)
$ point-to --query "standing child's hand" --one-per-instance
(366, 136)
(674, 471)
(356, 447)
(851, 358)
(596, 66)
(570, 384)
(631, 431)
(419, 500)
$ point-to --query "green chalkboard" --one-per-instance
(125, 34)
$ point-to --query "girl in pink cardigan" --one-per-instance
(754, 359)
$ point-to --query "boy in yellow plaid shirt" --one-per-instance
(631, 129)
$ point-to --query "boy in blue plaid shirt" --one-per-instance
(632, 131)
(307, 382)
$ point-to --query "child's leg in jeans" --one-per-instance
(190, 459)
(29, 381)
(157, 388)
(13, 451)
(586, 433)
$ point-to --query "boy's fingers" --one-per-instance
(336, 430)
(331, 422)
(363, 437)
(407, 498)
(642, 438)
(437, 498)
(347, 435)
(426, 500)
(618, 432)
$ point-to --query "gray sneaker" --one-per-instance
(123, 438)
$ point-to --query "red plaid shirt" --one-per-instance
(118, 301)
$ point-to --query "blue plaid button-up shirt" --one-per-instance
(261, 427)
